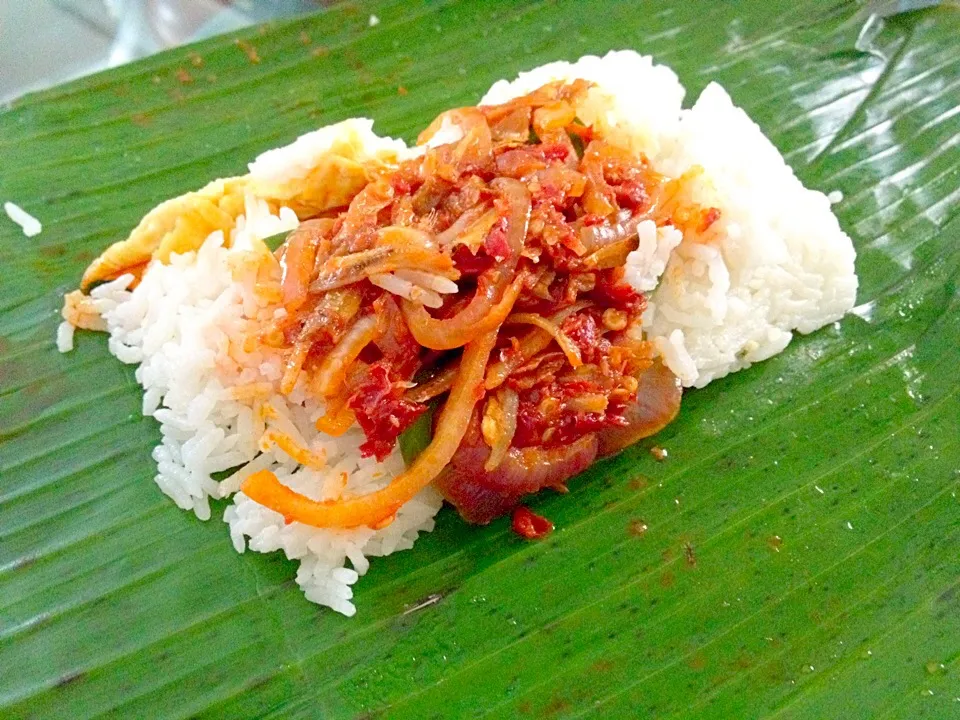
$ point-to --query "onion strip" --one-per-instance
(376, 508)
(595, 237)
(503, 416)
(529, 345)
(563, 340)
(484, 311)
(333, 370)
(462, 224)
(462, 328)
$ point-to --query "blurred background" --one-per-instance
(45, 42)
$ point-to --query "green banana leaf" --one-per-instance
(796, 556)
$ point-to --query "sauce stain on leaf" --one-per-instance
(369, 715)
(556, 706)
(602, 666)
(52, 251)
(249, 50)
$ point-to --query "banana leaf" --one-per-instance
(797, 555)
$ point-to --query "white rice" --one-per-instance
(776, 261)
(27, 222)
(178, 325)
(646, 264)
(65, 336)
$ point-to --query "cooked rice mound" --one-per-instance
(720, 297)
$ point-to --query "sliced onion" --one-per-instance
(598, 236)
(376, 508)
(473, 237)
(360, 220)
(459, 225)
(478, 317)
(469, 229)
(657, 404)
(475, 150)
(518, 215)
(552, 117)
(513, 127)
(553, 329)
(481, 496)
(529, 345)
(501, 413)
(333, 370)
(495, 294)
(401, 237)
(613, 255)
